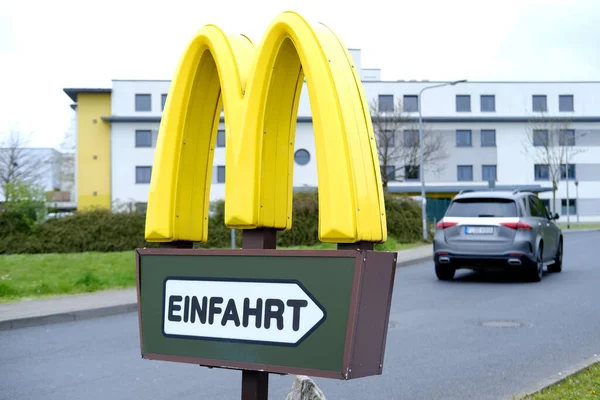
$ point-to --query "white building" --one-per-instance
(483, 126)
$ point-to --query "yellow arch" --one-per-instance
(260, 91)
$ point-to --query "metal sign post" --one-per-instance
(255, 384)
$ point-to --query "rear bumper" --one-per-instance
(511, 260)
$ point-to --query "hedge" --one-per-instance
(104, 231)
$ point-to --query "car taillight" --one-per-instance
(445, 224)
(519, 226)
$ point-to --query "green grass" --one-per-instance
(44, 275)
(390, 245)
(41, 275)
(580, 386)
(575, 225)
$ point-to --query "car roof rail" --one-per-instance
(521, 191)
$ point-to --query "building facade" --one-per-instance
(491, 133)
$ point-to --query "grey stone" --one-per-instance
(305, 389)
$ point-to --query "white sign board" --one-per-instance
(275, 312)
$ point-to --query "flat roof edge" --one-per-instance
(73, 92)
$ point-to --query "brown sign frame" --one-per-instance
(368, 318)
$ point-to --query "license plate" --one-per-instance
(479, 230)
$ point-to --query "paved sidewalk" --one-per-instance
(415, 255)
(29, 313)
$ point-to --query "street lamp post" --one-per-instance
(577, 200)
(422, 157)
(567, 184)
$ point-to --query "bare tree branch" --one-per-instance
(398, 148)
(19, 165)
(66, 161)
(551, 142)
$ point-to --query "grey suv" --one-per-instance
(494, 230)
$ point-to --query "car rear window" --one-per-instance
(485, 207)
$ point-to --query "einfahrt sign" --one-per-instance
(243, 310)
(317, 313)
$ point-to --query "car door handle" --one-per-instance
(547, 224)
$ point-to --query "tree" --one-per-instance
(19, 166)
(21, 171)
(550, 141)
(397, 137)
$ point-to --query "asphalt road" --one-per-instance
(436, 348)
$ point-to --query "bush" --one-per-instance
(219, 236)
(404, 221)
(305, 221)
(97, 230)
(14, 223)
(105, 231)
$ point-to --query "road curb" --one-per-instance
(406, 263)
(554, 379)
(581, 230)
(69, 316)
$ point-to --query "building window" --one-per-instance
(565, 103)
(143, 174)
(563, 171)
(143, 102)
(463, 103)
(411, 138)
(302, 157)
(539, 102)
(220, 138)
(540, 137)
(488, 103)
(411, 103)
(411, 173)
(389, 138)
(386, 103)
(567, 137)
(163, 100)
(488, 173)
(143, 138)
(541, 172)
(465, 173)
(572, 206)
(463, 138)
(220, 174)
(389, 173)
(488, 138)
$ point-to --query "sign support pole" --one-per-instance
(255, 384)
(356, 246)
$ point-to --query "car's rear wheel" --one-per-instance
(444, 273)
(558, 259)
(536, 275)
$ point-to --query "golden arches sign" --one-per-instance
(259, 90)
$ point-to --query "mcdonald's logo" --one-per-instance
(259, 90)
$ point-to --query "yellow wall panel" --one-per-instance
(93, 151)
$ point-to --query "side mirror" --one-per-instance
(554, 216)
